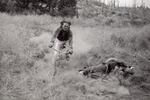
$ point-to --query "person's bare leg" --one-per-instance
(55, 58)
(54, 67)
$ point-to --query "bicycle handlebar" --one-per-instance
(58, 51)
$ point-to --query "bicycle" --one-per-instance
(60, 55)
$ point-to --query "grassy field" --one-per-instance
(26, 69)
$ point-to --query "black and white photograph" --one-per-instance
(74, 49)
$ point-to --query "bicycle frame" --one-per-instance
(59, 51)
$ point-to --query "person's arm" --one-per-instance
(71, 43)
(71, 40)
(55, 35)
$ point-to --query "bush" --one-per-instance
(64, 7)
(118, 41)
(137, 80)
(67, 12)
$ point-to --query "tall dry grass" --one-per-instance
(25, 60)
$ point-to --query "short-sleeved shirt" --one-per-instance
(63, 35)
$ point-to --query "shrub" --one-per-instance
(67, 12)
(118, 41)
(137, 80)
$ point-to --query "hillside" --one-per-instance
(26, 69)
(113, 16)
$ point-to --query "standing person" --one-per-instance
(62, 39)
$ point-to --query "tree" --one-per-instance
(67, 7)
(23, 3)
(62, 7)
(66, 3)
(143, 3)
(3, 5)
(11, 6)
(134, 4)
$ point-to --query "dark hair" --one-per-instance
(62, 22)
